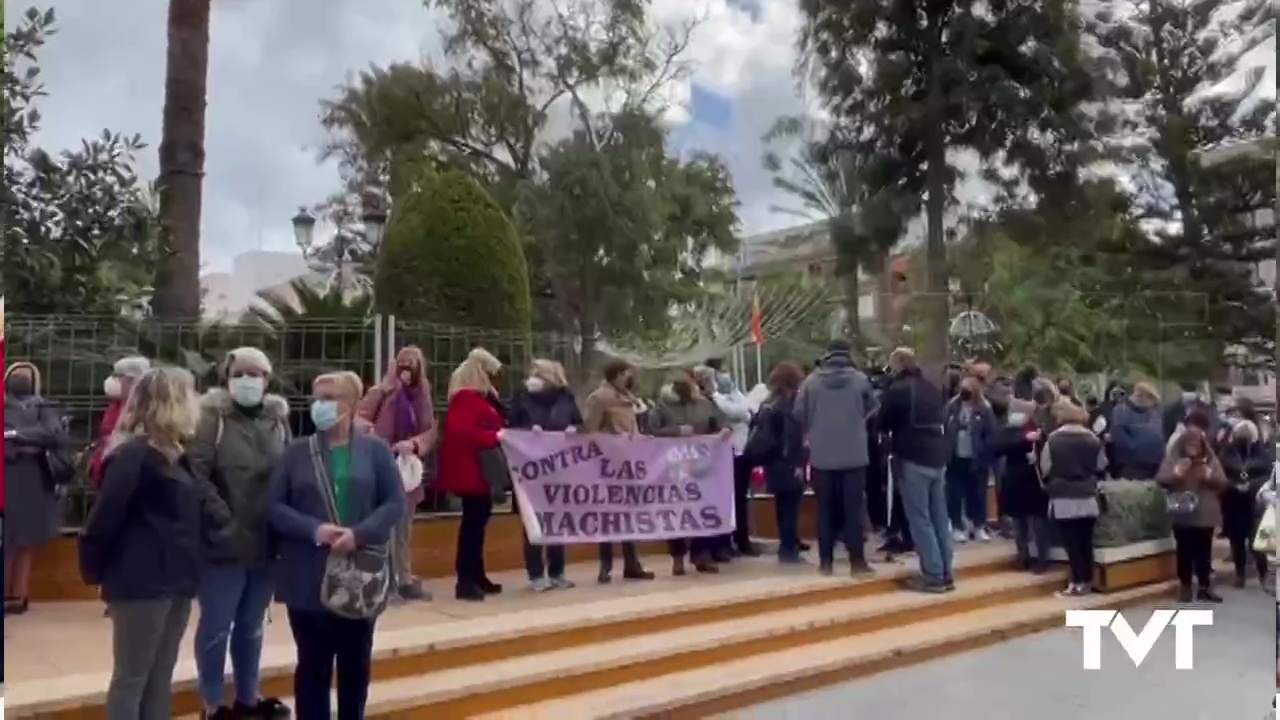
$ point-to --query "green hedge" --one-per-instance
(452, 256)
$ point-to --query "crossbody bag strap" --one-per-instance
(324, 484)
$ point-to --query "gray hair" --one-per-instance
(1246, 430)
(134, 366)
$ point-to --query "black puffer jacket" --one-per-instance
(552, 410)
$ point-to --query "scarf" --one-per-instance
(405, 406)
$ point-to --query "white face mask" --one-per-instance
(535, 384)
(246, 390)
(112, 388)
(1017, 419)
(1190, 397)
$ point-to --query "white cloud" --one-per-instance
(272, 62)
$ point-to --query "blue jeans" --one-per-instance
(966, 493)
(924, 500)
(233, 607)
(786, 507)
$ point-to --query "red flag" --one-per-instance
(757, 321)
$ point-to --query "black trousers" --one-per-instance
(741, 535)
(841, 502)
(630, 558)
(468, 563)
(699, 548)
(786, 507)
(1239, 522)
(898, 525)
(1194, 554)
(323, 639)
(1077, 540)
(877, 493)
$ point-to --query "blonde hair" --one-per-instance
(902, 358)
(550, 371)
(1146, 390)
(474, 373)
(1069, 413)
(349, 384)
(163, 410)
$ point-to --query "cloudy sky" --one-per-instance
(272, 61)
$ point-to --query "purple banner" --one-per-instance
(610, 488)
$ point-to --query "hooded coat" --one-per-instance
(1206, 479)
(235, 450)
(832, 406)
(1137, 437)
(38, 427)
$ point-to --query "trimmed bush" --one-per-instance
(452, 256)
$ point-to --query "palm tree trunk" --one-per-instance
(852, 296)
(177, 282)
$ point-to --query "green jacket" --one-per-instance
(700, 413)
(236, 451)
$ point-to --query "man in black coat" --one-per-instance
(913, 415)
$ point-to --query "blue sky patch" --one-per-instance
(710, 108)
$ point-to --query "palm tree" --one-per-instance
(312, 330)
(177, 282)
(829, 185)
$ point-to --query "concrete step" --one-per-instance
(527, 630)
(466, 692)
(735, 684)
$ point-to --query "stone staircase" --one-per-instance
(693, 651)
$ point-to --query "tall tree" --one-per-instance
(622, 229)
(177, 286)
(1203, 220)
(78, 226)
(514, 63)
(919, 80)
(830, 182)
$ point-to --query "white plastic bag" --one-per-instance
(410, 471)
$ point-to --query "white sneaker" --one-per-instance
(959, 536)
(981, 535)
(560, 583)
(540, 585)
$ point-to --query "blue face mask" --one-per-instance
(324, 414)
(246, 390)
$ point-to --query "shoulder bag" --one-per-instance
(358, 585)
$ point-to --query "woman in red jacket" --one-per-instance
(471, 426)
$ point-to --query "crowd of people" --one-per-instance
(211, 499)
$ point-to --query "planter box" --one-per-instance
(1133, 543)
(1128, 566)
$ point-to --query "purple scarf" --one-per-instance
(405, 405)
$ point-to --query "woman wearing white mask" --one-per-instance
(1019, 440)
(546, 404)
(241, 435)
(335, 493)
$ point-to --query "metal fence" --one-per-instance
(75, 355)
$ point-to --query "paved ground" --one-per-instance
(1040, 677)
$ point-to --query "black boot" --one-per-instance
(1207, 595)
(489, 587)
(1185, 594)
(468, 591)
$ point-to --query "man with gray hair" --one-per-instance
(117, 387)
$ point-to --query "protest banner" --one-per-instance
(609, 488)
